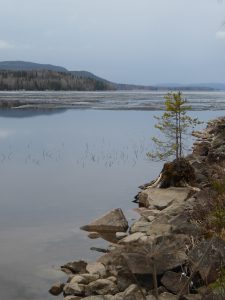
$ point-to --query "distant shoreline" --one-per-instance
(106, 100)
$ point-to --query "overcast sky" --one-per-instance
(127, 41)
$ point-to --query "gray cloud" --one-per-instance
(5, 45)
(148, 41)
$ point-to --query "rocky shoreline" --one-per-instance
(167, 253)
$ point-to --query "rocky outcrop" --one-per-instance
(164, 254)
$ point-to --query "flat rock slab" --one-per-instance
(111, 222)
(167, 254)
(174, 282)
(131, 238)
(162, 198)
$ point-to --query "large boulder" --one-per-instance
(167, 252)
(162, 198)
(108, 224)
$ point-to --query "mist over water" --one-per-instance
(60, 170)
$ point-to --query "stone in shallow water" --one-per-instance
(112, 222)
(93, 235)
(56, 289)
(75, 267)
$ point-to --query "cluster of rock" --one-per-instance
(209, 151)
(163, 254)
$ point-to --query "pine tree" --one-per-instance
(174, 124)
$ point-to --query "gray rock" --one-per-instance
(99, 297)
(93, 235)
(76, 267)
(112, 278)
(151, 218)
(74, 289)
(118, 296)
(90, 277)
(121, 235)
(56, 288)
(162, 198)
(140, 226)
(174, 282)
(109, 236)
(210, 261)
(168, 253)
(133, 293)
(96, 268)
(159, 229)
(143, 199)
(72, 298)
(181, 224)
(167, 296)
(192, 297)
(78, 279)
(111, 222)
(150, 297)
(131, 238)
(146, 212)
(124, 281)
(102, 287)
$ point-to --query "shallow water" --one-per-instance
(59, 171)
(118, 100)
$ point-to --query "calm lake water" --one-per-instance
(62, 168)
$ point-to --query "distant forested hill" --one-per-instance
(17, 75)
(28, 66)
(41, 80)
(21, 75)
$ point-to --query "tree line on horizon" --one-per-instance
(41, 80)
